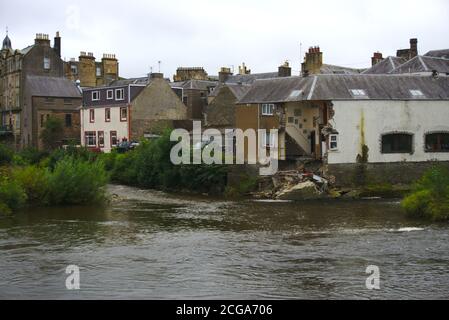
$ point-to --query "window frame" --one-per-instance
(98, 95)
(333, 135)
(123, 119)
(123, 94)
(111, 135)
(426, 150)
(111, 97)
(92, 115)
(90, 134)
(66, 117)
(106, 119)
(412, 142)
(47, 63)
(100, 134)
(270, 109)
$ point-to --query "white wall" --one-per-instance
(101, 125)
(380, 117)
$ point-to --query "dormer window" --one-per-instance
(110, 94)
(295, 93)
(95, 95)
(417, 93)
(47, 63)
(358, 93)
(120, 94)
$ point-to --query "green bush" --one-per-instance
(430, 196)
(77, 182)
(30, 156)
(82, 154)
(12, 196)
(124, 168)
(6, 155)
(52, 133)
(34, 181)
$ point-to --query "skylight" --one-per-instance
(416, 93)
(295, 93)
(358, 93)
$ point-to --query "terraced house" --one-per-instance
(128, 111)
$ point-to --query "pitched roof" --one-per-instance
(194, 84)
(41, 86)
(423, 64)
(332, 69)
(239, 90)
(339, 87)
(125, 82)
(438, 53)
(385, 66)
(250, 78)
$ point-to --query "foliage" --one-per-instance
(247, 184)
(75, 182)
(82, 154)
(430, 196)
(52, 133)
(12, 196)
(34, 181)
(123, 168)
(6, 155)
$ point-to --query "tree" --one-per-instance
(52, 133)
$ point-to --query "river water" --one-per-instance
(152, 245)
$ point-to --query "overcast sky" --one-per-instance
(212, 34)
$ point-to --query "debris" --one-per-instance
(302, 191)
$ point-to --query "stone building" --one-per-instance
(190, 73)
(92, 73)
(129, 111)
(17, 67)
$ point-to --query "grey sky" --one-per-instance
(212, 34)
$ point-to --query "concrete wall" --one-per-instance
(364, 122)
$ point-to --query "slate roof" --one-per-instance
(239, 90)
(424, 64)
(41, 86)
(194, 84)
(385, 66)
(438, 54)
(250, 78)
(125, 82)
(332, 69)
(338, 87)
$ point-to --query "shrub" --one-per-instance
(76, 182)
(6, 155)
(124, 170)
(82, 154)
(31, 155)
(12, 196)
(34, 181)
(52, 133)
(430, 196)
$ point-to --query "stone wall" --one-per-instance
(377, 173)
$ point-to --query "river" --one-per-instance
(151, 245)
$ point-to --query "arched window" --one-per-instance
(437, 142)
(397, 143)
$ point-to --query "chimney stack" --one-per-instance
(224, 74)
(313, 61)
(285, 70)
(42, 39)
(413, 48)
(377, 57)
(57, 44)
(156, 75)
(243, 69)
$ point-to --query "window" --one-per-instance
(42, 120)
(47, 63)
(120, 94)
(68, 120)
(92, 115)
(298, 113)
(107, 115)
(90, 138)
(114, 141)
(268, 140)
(110, 94)
(358, 93)
(68, 102)
(101, 139)
(437, 142)
(49, 100)
(123, 114)
(291, 119)
(98, 72)
(333, 142)
(74, 69)
(417, 94)
(397, 143)
(295, 93)
(267, 109)
(95, 95)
